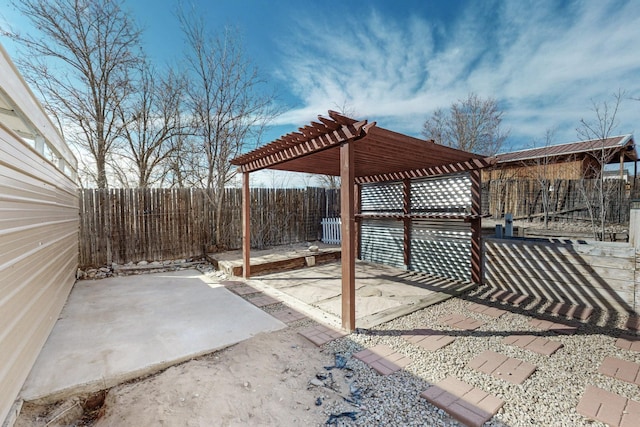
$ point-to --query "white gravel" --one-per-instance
(548, 398)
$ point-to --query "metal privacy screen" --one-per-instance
(439, 240)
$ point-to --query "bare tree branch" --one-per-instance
(471, 124)
(226, 99)
(599, 128)
(81, 60)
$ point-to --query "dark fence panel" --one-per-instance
(130, 225)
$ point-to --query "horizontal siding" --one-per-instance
(38, 261)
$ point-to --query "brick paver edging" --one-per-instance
(568, 310)
(629, 342)
(288, 315)
(467, 404)
(610, 408)
(243, 290)
(633, 323)
(459, 321)
(561, 328)
(533, 343)
(498, 365)
(429, 339)
(262, 300)
(621, 370)
(320, 334)
(486, 310)
(508, 297)
(383, 359)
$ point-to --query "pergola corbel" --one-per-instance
(360, 152)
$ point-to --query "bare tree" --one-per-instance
(81, 61)
(471, 124)
(540, 172)
(226, 99)
(599, 129)
(151, 119)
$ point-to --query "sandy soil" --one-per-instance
(261, 381)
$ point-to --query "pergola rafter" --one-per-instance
(360, 152)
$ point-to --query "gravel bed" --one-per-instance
(548, 398)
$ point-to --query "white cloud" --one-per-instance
(543, 61)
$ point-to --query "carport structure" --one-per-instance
(361, 153)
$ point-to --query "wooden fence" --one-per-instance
(568, 199)
(130, 225)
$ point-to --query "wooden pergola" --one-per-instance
(360, 152)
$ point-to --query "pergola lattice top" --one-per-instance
(382, 155)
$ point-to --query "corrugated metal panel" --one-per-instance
(381, 242)
(451, 194)
(38, 232)
(441, 247)
(381, 198)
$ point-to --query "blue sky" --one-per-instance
(396, 61)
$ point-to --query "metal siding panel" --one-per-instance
(442, 248)
(381, 242)
(450, 193)
(381, 198)
(39, 237)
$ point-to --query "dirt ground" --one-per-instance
(262, 381)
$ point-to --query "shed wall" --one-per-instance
(568, 169)
(38, 261)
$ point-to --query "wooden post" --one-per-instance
(347, 202)
(246, 226)
(358, 210)
(406, 210)
(476, 227)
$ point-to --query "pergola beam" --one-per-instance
(447, 169)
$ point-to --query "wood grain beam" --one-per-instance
(347, 204)
(472, 164)
(246, 226)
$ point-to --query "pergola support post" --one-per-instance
(347, 207)
(406, 210)
(357, 188)
(246, 226)
(476, 226)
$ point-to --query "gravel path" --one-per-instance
(548, 398)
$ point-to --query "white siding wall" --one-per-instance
(38, 233)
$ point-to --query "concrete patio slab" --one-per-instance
(382, 293)
(120, 328)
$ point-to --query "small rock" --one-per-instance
(316, 382)
(143, 263)
(313, 248)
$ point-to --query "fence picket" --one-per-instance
(131, 225)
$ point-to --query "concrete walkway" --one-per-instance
(120, 328)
